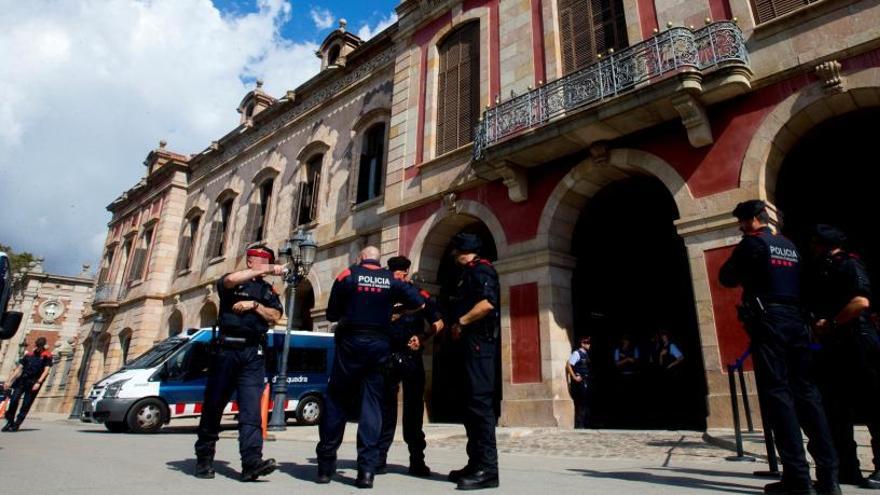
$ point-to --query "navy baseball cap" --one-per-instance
(466, 243)
(749, 209)
(399, 263)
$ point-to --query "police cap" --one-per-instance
(466, 243)
(399, 264)
(829, 236)
(749, 209)
(262, 251)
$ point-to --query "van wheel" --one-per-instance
(308, 411)
(146, 416)
(116, 426)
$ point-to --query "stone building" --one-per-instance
(53, 307)
(597, 147)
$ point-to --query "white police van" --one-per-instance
(168, 382)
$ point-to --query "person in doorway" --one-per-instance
(407, 340)
(579, 369)
(248, 306)
(850, 356)
(666, 356)
(626, 357)
(476, 316)
(361, 300)
(25, 382)
(767, 267)
(627, 362)
(668, 391)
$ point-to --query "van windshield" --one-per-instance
(156, 354)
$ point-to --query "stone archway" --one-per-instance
(208, 315)
(175, 323)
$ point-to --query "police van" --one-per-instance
(168, 381)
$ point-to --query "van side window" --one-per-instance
(307, 361)
(190, 363)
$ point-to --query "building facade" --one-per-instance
(596, 146)
(53, 307)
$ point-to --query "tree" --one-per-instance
(17, 260)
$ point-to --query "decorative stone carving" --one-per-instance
(829, 73)
(449, 202)
(516, 180)
(599, 153)
(693, 116)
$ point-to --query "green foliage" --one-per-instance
(17, 260)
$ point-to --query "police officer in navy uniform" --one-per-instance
(579, 369)
(476, 320)
(767, 267)
(849, 370)
(26, 380)
(407, 338)
(361, 301)
(248, 306)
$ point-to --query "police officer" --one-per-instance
(26, 380)
(475, 317)
(361, 300)
(767, 267)
(248, 306)
(849, 367)
(407, 338)
(579, 369)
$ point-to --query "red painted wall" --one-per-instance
(720, 10)
(732, 338)
(538, 42)
(525, 333)
(647, 18)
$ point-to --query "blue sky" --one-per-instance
(91, 86)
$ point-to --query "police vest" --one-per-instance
(842, 276)
(582, 367)
(249, 323)
(32, 365)
(363, 297)
(780, 281)
(478, 281)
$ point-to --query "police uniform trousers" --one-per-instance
(849, 378)
(782, 358)
(412, 377)
(357, 372)
(241, 370)
(582, 395)
(22, 392)
(480, 358)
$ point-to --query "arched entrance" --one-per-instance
(831, 176)
(439, 272)
(632, 279)
(175, 323)
(302, 307)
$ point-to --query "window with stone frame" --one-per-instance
(126, 260)
(766, 10)
(188, 243)
(333, 55)
(104, 273)
(257, 225)
(458, 87)
(220, 230)
(307, 204)
(124, 345)
(588, 28)
(372, 164)
(139, 259)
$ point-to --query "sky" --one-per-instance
(89, 87)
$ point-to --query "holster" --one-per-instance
(750, 311)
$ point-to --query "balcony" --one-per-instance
(107, 295)
(659, 79)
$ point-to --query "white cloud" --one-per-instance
(366, 32)
(322, 18)
(88, 88)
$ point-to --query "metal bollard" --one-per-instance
(746, 403)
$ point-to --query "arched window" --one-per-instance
(372, 164)
(188, 243)
(208, 315)
(125, 344)
(257, 225)
(333, 55)
(458, 89)
(308, 191)
(139, 260)
(220, 229)
(590, 27)
(175, 323)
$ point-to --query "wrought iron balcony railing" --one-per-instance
(675, 50)
(107, 293)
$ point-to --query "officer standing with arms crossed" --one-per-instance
(579, 370)
(248, 306)
(361, 301)
(850, 355)
(407, 339)
(476, 318)
(767, 267)
(26, 380)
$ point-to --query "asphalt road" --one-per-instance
(66, 457)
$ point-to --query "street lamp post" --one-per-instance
(97, 328)
(300, 252)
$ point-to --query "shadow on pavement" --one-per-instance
(308, 472)
(679, 481)
(188, 466)
(707, 472)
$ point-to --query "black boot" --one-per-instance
(872, 482)
(253, 470)
(780, 488)
(458, 474)
(325, 473)
(478, 480)
(364, 479)
(204, 468)
(382, 468)
(418, 468)
(7, 427)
